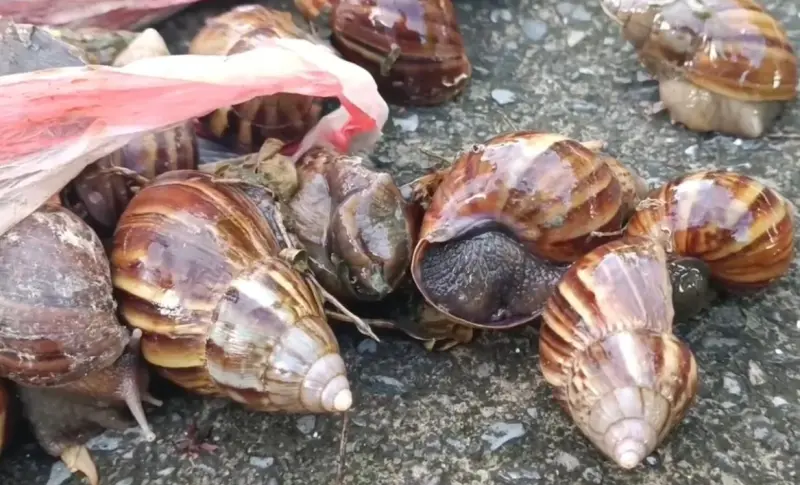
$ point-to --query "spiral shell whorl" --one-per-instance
(744, 230)
(196, 263)
(607, 348)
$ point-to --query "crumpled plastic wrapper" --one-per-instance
(109, 14)
(57, 121)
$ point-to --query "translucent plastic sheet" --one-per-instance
(111, 14)
(55, 122)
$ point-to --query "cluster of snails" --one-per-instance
(722, 65)
(222, 277)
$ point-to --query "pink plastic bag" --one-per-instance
(109, 14)
(55, 122)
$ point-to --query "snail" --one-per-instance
(73, 362)
(722, 65)
(352, 221)
(607, 349)
(413, 48)
(203, 268)
(606, 344)
(101, 191)
(285, 116)
(508, 216)
(743, 230)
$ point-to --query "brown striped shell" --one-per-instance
(413, 48)
(197, 266)
(99, 196)
(285, 116)
(57, 320)
(743, 230)
(503, 210)
(607, 348)
(59, 330)
(723, 65)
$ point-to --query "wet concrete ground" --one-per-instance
(482, 414)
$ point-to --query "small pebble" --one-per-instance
(755, 373)
(575, 36)
(503, 14)
(581, 14)
(593, 475)
(732, 385)
(125, 481)
(691, 151)
(406, 124)
(367, 346)
(567, 461)
(501, 433)
(389, 381)
(534, 29)
(103, 443)
(306, 424)
(778, 401)
(166, 471)
(503, 96)
(262, 462)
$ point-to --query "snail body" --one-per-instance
(413, 48)
(722, 65)
(101, 192)
(197, 264)
(607, 349)
(60, 341)
(352, 221)
(505, 219)
(284, 116)
(743, 230)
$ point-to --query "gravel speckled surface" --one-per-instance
(482, 414)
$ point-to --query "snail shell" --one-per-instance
(607, 348)
(99, 195)
(60, 340)
(722, 65)
(413, 48)
(285, 116)
(742, 229)
(354, 223)
(57, 313)
(197, 267)
(503, 210)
